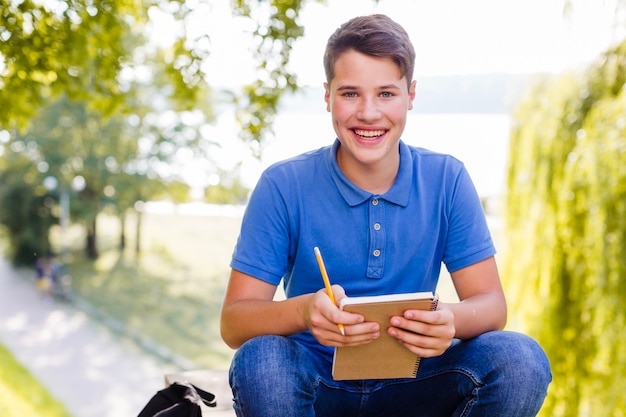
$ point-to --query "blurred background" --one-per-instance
(131, 134)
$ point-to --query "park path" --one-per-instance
(92, 370)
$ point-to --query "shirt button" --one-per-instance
(376, 226)
(376, 252)
(375, 202)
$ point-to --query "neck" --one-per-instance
(375, 178)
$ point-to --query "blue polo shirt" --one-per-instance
(371, 244)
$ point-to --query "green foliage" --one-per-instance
(229, 190)
(80, 49)
(53, 49)
(75, 104)
(277, 29)
(86, 48)
(566, 223)
(26, 212)
(21, 394)
(67, 140)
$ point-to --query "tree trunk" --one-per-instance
(122, 231)
(91, 249)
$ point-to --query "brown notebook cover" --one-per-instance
(384, 357)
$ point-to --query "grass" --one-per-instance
(172, 291)
(21, 394)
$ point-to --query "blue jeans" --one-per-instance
(498, 373)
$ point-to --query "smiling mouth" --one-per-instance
(369, 134)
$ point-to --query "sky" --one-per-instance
(450, 36)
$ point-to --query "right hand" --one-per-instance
(322, 318)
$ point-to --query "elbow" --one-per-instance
(497, 311)
(502, 317)
(501, 324)
(231, 342)
(229, 338)
(228, 335)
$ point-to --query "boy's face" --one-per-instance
(368, 99)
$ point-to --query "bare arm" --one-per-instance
(482, 308)
(249, 311)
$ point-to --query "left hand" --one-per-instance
(425, 333)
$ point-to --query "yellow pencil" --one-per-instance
(329, 290)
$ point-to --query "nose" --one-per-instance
(368, 109)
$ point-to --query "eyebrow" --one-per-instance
(347, 87)
(389, 87)
(382, 87)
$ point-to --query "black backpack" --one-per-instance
(178, 400)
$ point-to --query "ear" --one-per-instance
(327, 96)
(412, 94)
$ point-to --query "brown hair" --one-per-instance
(375, 35)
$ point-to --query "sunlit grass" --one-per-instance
(21, 394)
(172, 291)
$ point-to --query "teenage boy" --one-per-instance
(385, 215)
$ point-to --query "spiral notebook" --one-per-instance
(384, 357)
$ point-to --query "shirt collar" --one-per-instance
(398, 194)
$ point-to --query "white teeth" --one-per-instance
(369, 133)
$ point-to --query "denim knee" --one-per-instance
(518, 356)
(261, 357)
(268, 374)
(263, 360)
(519, 370)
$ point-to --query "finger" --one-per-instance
(338, 292)
(354, 335)
(437, 317)
(422, 345)
(442, 331)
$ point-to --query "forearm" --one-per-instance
(478, 314)
(244, 319)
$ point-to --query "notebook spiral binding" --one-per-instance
(418, 360)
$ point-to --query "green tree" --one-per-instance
(277, 29)
(229, 190)
(566, 228)
(83, 47)
(80, 49)
(26, 212)
(68, 140)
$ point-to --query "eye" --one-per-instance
(387, 94)
(349, 94)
